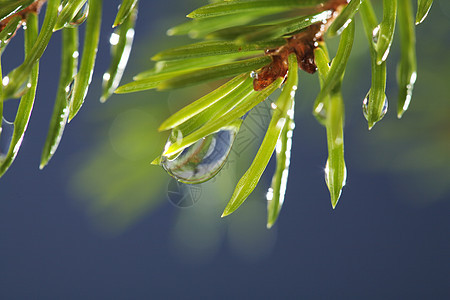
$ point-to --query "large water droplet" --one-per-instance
(6, 134)
(80, 17)
(365, 107)
(204, 159)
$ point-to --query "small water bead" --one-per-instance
(320, 113)
(269, 194)
(290, 113)
(340, 30)
(5, 81)
(376, 34)
(106, 76)
(130, 33)
(409, 91)
(6, 134)
(204, 159)
(114, 39)
(365, 107)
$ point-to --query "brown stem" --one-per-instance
(34, 7)
(302, 44)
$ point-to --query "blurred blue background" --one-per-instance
(100, 223)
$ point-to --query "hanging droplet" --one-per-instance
(376, 34)
(365, 107)
(80, 17)
(204, 159)
(6, 134)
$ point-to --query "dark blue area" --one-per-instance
(373, 246)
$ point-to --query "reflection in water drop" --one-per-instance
(365, 107)
(204, 159)
(183, 195)
(6, 134)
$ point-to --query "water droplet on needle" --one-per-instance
(365, 107)
(6, 134)
(202, 160)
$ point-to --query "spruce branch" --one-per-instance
(21, 82)
(283, 35)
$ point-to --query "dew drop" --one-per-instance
(114, 39)
(320, 113)
(340, 30)
(19, 92)
(204, 159)
(365, 107)
(80, 17)
(6, 134)
(409, 90)
(329, 173)
(106, 76)
(376, 34)
(269, 195)
(5, 81)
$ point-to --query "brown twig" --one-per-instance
(302, 44)
(34, 7)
